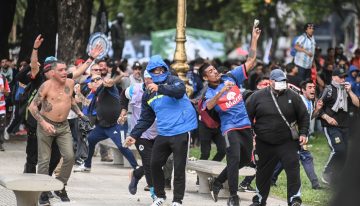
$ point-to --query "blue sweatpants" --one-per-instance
(101, 133)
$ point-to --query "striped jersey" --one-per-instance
(302, 59)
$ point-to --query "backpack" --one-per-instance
(209, 118)
(293, 43)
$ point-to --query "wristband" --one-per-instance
(35, 48)
(92, 58)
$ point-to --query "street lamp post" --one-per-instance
(180, 65)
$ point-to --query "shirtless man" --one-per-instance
(55, 98)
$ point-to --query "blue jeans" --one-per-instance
(101, 133)
(307, 161)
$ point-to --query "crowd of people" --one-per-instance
(67, 110)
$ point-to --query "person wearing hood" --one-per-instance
(352, 74)
(278, 107)
(166, 102)
(356, 85)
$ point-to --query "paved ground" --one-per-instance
(105, 185)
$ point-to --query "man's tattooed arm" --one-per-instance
(36, 102)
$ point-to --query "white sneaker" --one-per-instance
(6, 135)
(176, 204)
(158, 202)
(82, 168)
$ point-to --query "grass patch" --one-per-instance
(320, 151)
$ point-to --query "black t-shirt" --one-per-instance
(108, 106)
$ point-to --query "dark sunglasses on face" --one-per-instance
(96, 79)
(97, 70)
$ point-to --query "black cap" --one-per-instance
(137, 65)
(340, 72)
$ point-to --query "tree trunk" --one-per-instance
(7, 12)
(73, 28)
(40, 18)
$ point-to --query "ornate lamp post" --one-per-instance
(180, 65)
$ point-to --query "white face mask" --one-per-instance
(280, 85)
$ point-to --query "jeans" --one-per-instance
(101, 133)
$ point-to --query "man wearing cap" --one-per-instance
(305, 50)
(339, 103)
(135, 77)
(166, 102)
(274, 145)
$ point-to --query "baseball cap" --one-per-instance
(50, 60)
(340, 72)
(137, 65)
(277, 75)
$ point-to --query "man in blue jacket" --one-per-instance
(165, 100)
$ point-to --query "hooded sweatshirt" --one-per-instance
(350, 78)
(170, 106)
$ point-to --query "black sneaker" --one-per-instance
(133, 183)
(255, 201)
(215, 188)
(50, 194)
(2, 147)
(317, 187)
(233, 201)
(62, 194)
(44, 199)
(245, 188)
(167, 184)
(296, 203)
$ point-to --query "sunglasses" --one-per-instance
(97, 70)
(96, 79)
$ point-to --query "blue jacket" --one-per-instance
(170, 106)
(230, 106)
(355, 87)
(350, 78)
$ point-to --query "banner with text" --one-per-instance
(199, 43)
